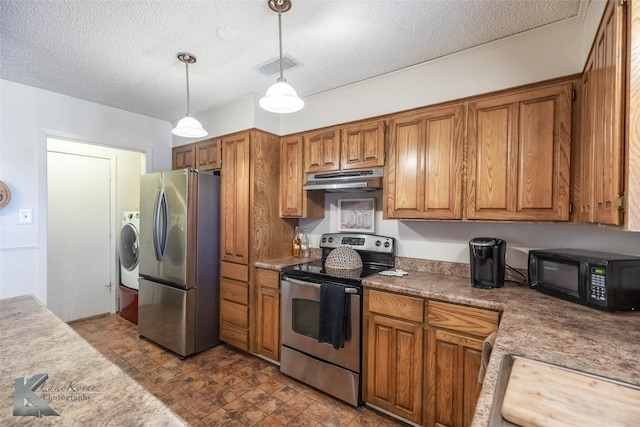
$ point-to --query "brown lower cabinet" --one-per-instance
(453, 363)
(394, 363)
(268, 315)
(422, 357)
(234, 305)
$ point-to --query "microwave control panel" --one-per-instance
(597, 286)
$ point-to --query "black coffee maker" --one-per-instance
(487, 260)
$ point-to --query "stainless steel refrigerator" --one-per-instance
(178, 301)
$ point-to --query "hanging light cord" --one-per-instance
(186, 63)
(280, 2)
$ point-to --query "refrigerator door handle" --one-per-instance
(160, 215)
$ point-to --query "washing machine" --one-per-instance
(129, 244)
(129, 249)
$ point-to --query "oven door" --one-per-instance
(301, 319)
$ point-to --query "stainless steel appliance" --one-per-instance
(180, 260)
(487, 261)
(597, 279)
(348, 180)
(323, 365)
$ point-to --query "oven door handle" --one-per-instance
(316, 285)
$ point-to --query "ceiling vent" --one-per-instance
(272, 66)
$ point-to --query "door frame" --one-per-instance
(113, 265)
(42, 202)
(42, 216)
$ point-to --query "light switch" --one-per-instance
(26, 216)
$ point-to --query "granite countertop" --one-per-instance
(280, 263)
(83, 387)
(536, 326)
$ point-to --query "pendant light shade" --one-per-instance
(188, 126)
(281, 97)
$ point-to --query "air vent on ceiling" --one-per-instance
(272, 66)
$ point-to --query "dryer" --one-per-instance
(129, 243)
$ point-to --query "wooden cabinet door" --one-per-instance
(518, 155)
(322, 151)
(268, 313)
(586, 171)
(268, 328)
(362, 145)
(424, 168)
(294, 201)
(394, 366)
(602, 168)
(184, 156)
(234, 201)
(453, 364)
(209, 154)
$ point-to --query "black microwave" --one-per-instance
(601, 280)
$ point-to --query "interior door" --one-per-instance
(78, 235)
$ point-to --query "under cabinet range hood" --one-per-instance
(347, 180)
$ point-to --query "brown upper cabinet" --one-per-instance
(518, 155)
(601, 160)
(203, 155)
(209, 154)
(632, 116)
(294, 201)
(424, 168)
(360, 145)
(322, 150)
(234, 202)
(184, 156)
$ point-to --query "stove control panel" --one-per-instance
(360, 242)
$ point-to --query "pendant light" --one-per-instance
(281, 97)
(188, 126)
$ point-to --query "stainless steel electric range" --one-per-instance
(332, 367)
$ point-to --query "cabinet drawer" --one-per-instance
(232, 290)
(236, 314)
(268, 278)
(474, 321)
(400, 306)
(234, 271)
(237, 337)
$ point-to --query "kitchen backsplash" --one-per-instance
(449, 268)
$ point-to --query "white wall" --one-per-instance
(28, 116)
(130, 164)
(240, 115)
(548, 52)
(449, 240)
(554, 51)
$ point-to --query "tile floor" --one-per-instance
(221, 386)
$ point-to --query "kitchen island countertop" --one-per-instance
(536, 326)
(82, 386)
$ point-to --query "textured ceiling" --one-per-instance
(123, 53)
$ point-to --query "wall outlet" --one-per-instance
(26, 216)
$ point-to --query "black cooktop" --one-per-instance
(315, 270)
(377, 253)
